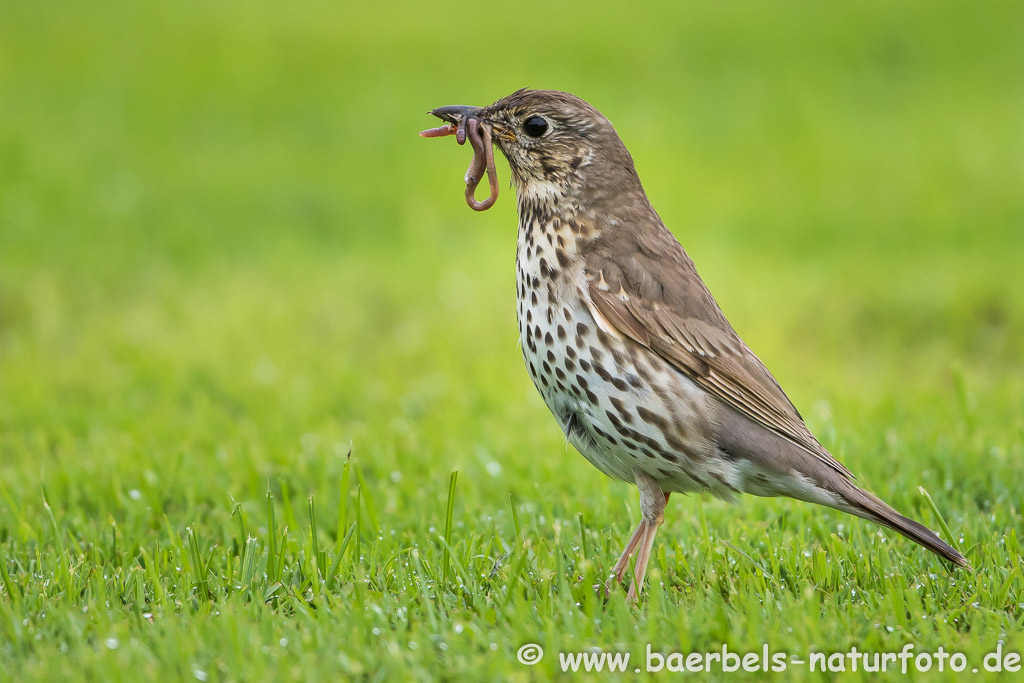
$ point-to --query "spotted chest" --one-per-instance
(551, 314)
(623, 410)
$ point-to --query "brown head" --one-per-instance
(557, 145)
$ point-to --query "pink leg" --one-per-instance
(619, 570)
(652, 507)
(640, 570)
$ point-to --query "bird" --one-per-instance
(627, 346)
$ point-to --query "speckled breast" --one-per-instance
(621, 406)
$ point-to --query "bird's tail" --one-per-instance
(863, 504)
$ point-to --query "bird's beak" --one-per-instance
(456, 112)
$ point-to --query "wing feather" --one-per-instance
(712, 356)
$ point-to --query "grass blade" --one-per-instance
(515, 515)
(343, 499)
(449, 514)
(583, 536)
(271, 539)
(938, 515)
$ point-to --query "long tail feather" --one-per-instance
(869, 506)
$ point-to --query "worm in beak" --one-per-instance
(463, 122)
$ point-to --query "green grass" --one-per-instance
(249, 330)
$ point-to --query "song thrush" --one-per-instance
(624, 342)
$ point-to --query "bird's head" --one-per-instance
(555, 143)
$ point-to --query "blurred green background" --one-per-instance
(226, 258)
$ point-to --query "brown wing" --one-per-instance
(647, 288)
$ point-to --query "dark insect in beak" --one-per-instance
(464, 122)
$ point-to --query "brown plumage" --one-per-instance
(628, 347)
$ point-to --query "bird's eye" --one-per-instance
(535, 126)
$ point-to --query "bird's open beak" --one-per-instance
(456, 112)
(466, 123)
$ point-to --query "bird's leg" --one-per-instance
(652, 508)
(619, 570)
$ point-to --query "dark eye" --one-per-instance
(535, 126)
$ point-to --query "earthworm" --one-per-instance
(479, 134)
(481, 148)
(439, 132)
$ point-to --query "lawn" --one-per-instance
(262, 412)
